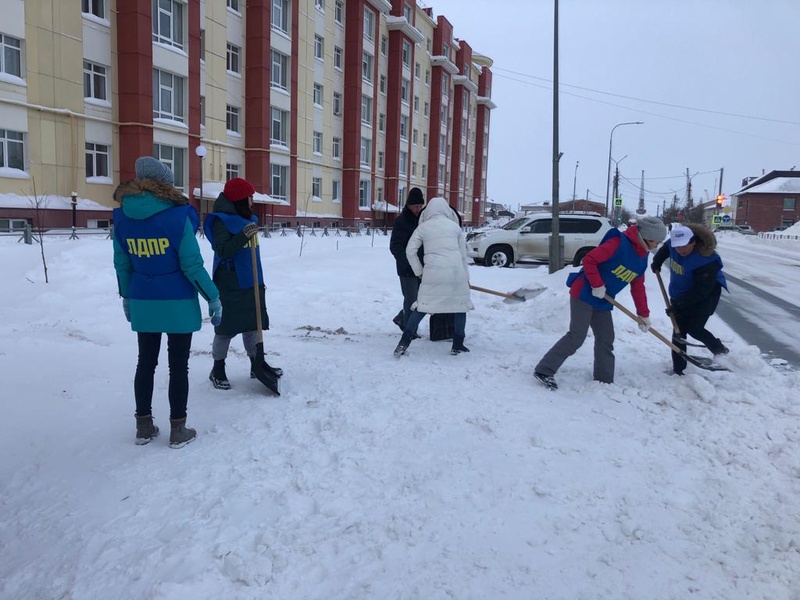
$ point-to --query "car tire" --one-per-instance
(499, 256)
(576, 262)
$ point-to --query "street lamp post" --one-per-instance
(73, 198)
(610, 142)
(574, 181)
(200, 151)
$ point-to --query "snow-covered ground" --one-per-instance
(428, 477)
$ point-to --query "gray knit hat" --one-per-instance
(148, 167)
(652, 228)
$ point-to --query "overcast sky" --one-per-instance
(675, 65)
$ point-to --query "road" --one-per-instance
(763, 306)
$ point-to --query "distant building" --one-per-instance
(768, 201)
(335, 109)
(572, 206)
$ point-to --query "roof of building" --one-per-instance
(779, 185)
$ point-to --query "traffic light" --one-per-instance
(720, 200)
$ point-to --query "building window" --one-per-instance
(174, 158)
(317, 143)
(279, 181)
(234, 57)
(380, 160)
(318, 91)
(427, 109)
(414, 136)
(404, 127)
(364, 187)
(369, 24)
(382, 84)
(366, 67)
(424, 171)
(338, 55)
(416, 71)
(10, 55)
(96, 160)
(406, 54)
(338, 11)
(320, 4)
(789, 203)
(408, 13)
(445, 85)
(403, 163)
(405, 86)
(94, 81)
(316, 187)
(280, 15)
(337, 104)
(366, 110)
(335, 190)
(427, 77)
(234, 6)
(384, 45)
(168, 22)
(202, 111)
(232, 118)
(279, 131)
(168, 96)
(381, 122)
(94, 7)
(202, 45)
(416, 104)
(366, 151)
(232, 171)
(336, 148)
(319, 47)
(424, 140)
(280, 70)
(12, 149)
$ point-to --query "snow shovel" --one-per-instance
(264, 376)
(699, 362)
(521, 295)
(676, 332)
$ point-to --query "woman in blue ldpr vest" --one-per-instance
(159, 273)
(231, 229)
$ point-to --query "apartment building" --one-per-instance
(333, 109)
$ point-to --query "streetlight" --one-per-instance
(610, 141)
(574, 181)
(200, 151)
(73, 198)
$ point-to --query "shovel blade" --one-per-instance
(523, 294)
(263, 375)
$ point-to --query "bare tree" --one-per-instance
(39, 204)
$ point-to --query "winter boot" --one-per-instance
(458, 345)
(145, 430)
(276, 371)
(402, 347)
(180, 435)
(218, 377)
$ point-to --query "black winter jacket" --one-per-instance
(402, 229)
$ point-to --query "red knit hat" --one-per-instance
(238, 189)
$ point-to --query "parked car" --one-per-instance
(528, 238)
(745, 229)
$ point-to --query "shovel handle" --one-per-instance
(495, 292)
(675, 329)
(254, 260)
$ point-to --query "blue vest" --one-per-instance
(242, 261)
(624, 266)
(153, 245)
(682, 271)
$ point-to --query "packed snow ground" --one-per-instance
(428, 477)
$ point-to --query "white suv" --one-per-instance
(528, 238)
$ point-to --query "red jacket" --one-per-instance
(601, 254)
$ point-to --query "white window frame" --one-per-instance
(369, 25)
(96, 8)
(336, 148)
(319, 47)
(95, 81)
(172, 19)
(280, 67)
(318, 94)
(233, 57)
(232, 170)
(364, 193)
(316, 143)
(404, 123)
(338, 12)
(336, 191)
(406, 54)
(365, 152)
(232, 119)
(279, 174)
(367, 66)
(10, 45)
(97, 160)
(338, 58)
(319, 5)
(165, 82)
(279, 16)
(281, 136)
(366, 110)
(316, 187)
(337, 104)
(13, 146)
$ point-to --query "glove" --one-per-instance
(250, 230)
(644, 324)
(599, 292)
(215, 312)
(669, 311)
(655, 268)
(126, 308)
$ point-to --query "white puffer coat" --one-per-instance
(445, 278)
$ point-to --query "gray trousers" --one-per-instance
(581, 317)
(221, 344)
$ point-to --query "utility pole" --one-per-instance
(555, 257)
(689, 201)
(586, 201)
(721, 170)
(616, 194)
(574, 182)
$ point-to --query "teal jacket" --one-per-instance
(161, 304)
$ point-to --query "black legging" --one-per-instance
(178, 346)
(693, 324)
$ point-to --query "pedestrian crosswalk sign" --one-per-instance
(617, 201)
